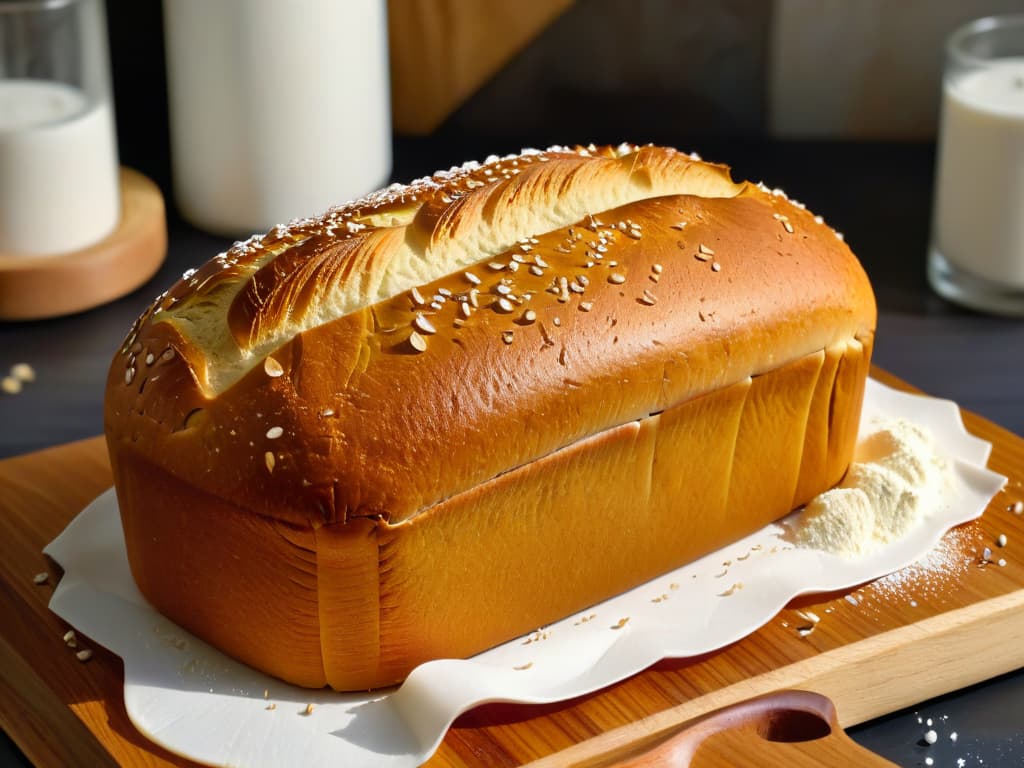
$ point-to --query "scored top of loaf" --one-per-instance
(246, 302)
(405, 348)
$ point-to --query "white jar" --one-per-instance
(279, 108)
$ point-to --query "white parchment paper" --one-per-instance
(197, 702)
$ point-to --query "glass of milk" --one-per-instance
(59, 188)
(976, 256)
(279, 110)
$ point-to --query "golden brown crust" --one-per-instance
(402, 410)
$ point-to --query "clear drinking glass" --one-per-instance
(58, 151)
(976, 257)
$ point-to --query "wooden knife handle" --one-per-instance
(787, 728)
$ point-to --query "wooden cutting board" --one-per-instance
(949, 622)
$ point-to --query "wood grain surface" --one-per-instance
(796, 729)
(944, 623)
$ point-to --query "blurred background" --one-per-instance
(688, 72)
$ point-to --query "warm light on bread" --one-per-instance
(442, 416)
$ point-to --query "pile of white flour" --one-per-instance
(894, 480)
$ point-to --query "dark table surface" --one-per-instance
(878, 195)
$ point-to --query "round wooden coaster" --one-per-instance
(33, 287)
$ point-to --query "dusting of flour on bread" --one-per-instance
(892, 484)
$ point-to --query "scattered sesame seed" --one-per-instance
(680, 225)
(271, 706)
(648, 298)
(616, 278)
(70, 638)
(1002, 562)
(1018, 508)
(705, 250)
(558, 321)
(504, 305)
(272, 368)
(83, 655)
(731, 590)
(540, 262)
(931, 737)
(716, 267)
(576, 288)
(529, 316)
(417, 342)
(12, 386)
(41, 578)
(497, 266)
(444, 292)
(620, 623)
(507, 336)
(129, 374)
(563, 290)
(327, 412)
(987, 553)
(417, 297)
(274, 432)
(535, 270)
(168, 355)
(423, 325)
(269, 460)
(656, 269)
(1001, 541)
(953, 736)
(23, 372)
(308, 710)
(633, 233)
(150, 358)
(502, 289)
(465, 309)
(522, 667)
(585, 306)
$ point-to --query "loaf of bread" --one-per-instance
(452, 412)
